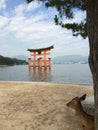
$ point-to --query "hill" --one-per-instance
(11, 61)
(21, 57)
(70, 59)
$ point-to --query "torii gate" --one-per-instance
(42, 61)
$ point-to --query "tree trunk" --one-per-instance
(92, 29)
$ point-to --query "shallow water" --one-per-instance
(63, 73)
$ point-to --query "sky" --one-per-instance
(29, 26)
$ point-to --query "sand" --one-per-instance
(39, 105)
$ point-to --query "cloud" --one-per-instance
(2, 4)
(33, 5)
(23, 8)
(29, 28)
(3, 21)
(33, 27)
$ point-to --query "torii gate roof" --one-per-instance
(41, 49)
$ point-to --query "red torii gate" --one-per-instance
(42, 61)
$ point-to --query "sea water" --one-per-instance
(61, 73)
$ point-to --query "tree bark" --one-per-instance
(92, 29)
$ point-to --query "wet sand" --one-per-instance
(39, 105)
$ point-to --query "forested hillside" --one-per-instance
(11, 61)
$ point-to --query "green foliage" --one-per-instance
(10, 61)
(77, 28)
(65, 7)
(65, 10)
(29, 1)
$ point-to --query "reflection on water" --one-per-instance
(40, 74)
(62, 73)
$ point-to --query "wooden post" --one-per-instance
(29, 60)
(45, 62)
(34, 60)
(40, 63)
(49, 59)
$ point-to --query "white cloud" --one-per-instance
(2, 4)
(21, 9)
(33, 5)
(3, 21)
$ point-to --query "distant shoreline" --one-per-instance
(10, 65)
(3, 65)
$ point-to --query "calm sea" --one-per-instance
(62, 73)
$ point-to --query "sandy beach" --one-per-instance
(39, 105)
